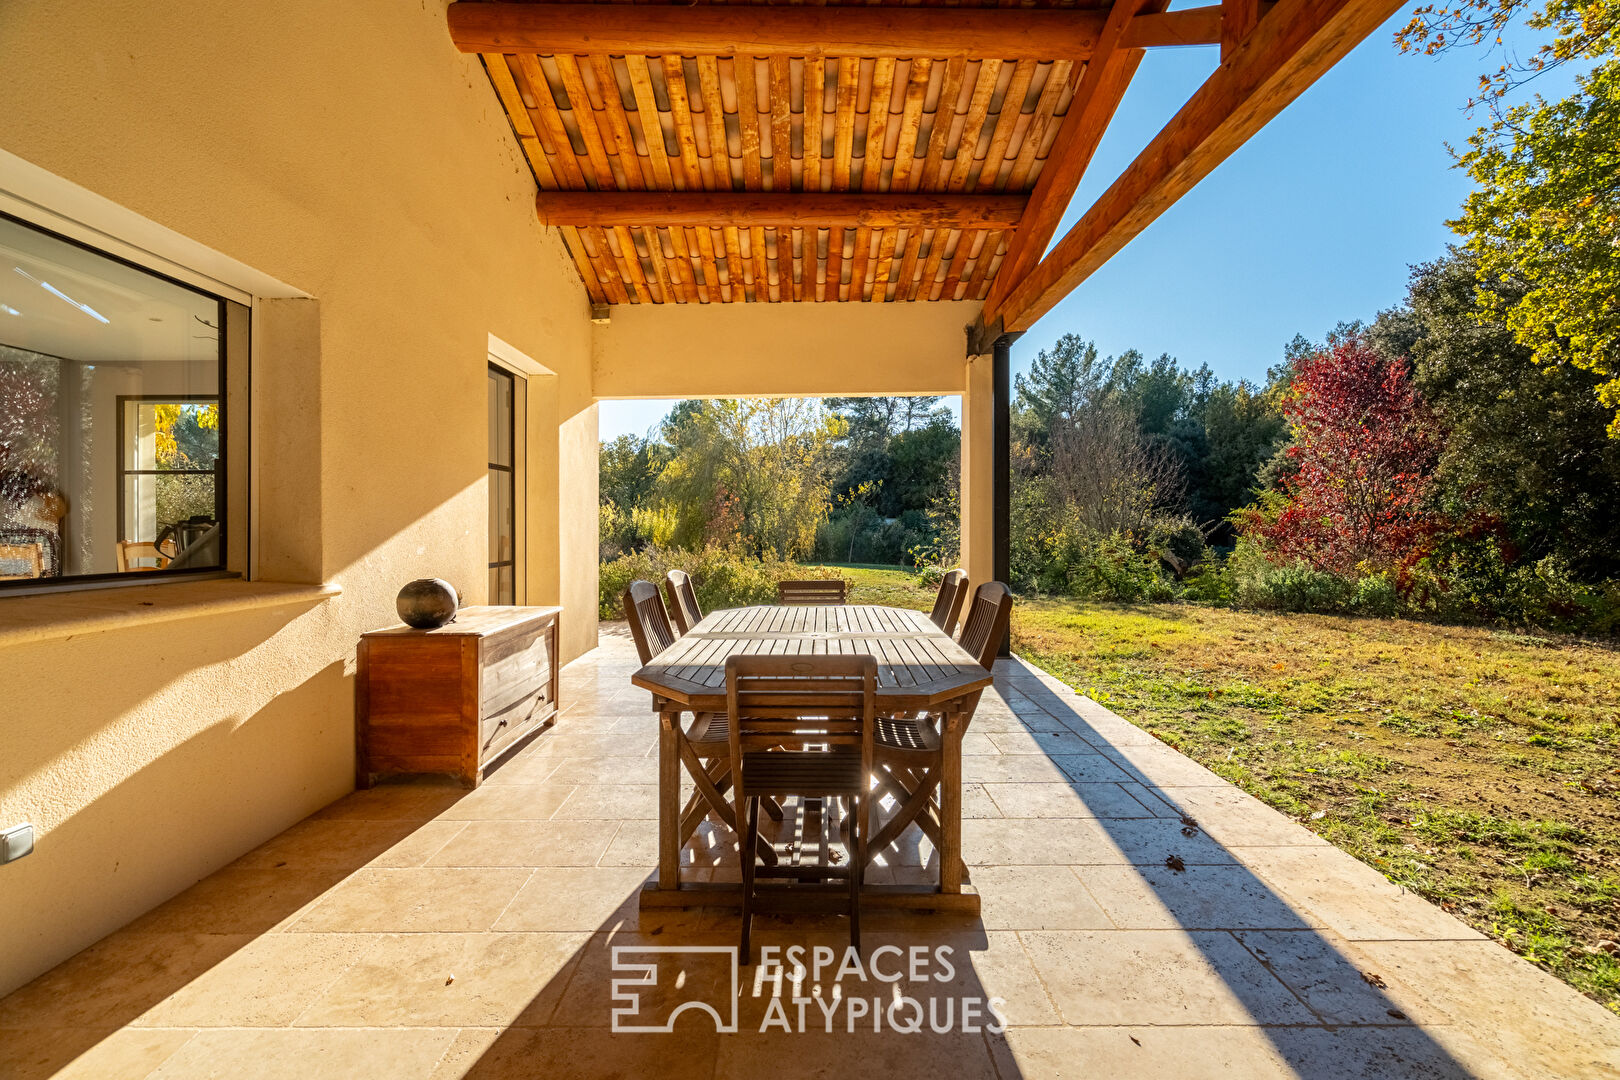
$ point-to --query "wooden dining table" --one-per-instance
(920, 669)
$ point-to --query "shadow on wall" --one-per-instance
(192, 769)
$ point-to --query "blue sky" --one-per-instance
(1315, 220)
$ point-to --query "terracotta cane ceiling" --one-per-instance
(898, 150)
(607, 122)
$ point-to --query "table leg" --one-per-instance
(950, 804)
(669, 802)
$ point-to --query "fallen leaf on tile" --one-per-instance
(1374, 979)
(1396, 1013)
(1174, 862)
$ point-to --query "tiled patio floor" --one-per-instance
(423, 931)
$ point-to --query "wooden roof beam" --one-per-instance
(1101, 88)
(1289, 49)
(874, 210)
(491, 26)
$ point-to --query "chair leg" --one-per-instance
(857, 869)
(746, 851)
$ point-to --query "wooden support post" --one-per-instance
(1001, 481)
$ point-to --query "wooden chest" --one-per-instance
(452, 700)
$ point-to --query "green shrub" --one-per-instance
(722, 578)
(1376, 595)
(1110, 568)
(1209, 582)
(1259, 583)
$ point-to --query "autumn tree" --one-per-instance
(1544, 222)
(1354, 497)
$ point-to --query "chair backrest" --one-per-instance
(683, 605)
(649, 622)
(772, 700)
(131, 550)
(948, 604)
(816, 591)
(27, 560)
(986, 622)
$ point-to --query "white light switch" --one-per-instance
(16, 842)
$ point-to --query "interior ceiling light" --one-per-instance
(9, 310)
(59, 294)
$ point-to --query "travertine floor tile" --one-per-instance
(858, 1056)
(395, 802)
(1512, 1009)
(1158, 977)
(1237, 818)
(1070, 800)
(575, 898)
(597, 802)
(240, 900)
(294, 1054)
(1184, 1053)
(1200, 897)
(449, 980)
(510, 802)
(1349, 896)
(528, 843)
(416, 899)
(86, 1053)
(266, 983)
(329, 844)
(1036, 898)
(116, 980)
(588, 1054)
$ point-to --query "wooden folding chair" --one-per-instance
(910, 750)
(986, 624)
(781, 707)
(948, 604)
(817, 591)
(703, 747)
(683, 603)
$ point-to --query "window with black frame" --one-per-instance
(113, 416)
(502, 487)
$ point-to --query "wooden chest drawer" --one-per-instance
(453, 700)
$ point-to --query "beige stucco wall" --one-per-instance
(349, 151)
(978, 498)
(786, 350)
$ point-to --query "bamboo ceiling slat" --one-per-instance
(785, 124)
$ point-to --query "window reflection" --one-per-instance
(111, 415)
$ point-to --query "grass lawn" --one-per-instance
(890, 585)
(1475, 767)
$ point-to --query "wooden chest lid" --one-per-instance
(479, 620)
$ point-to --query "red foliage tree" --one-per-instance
(1360, 466)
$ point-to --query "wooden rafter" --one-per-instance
(1108, 73)
(748, 209)
(1238, 20)
(1293, 45)
(491, 26)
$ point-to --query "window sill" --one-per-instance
(51, 616)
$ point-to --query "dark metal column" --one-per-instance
(1001, 465)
